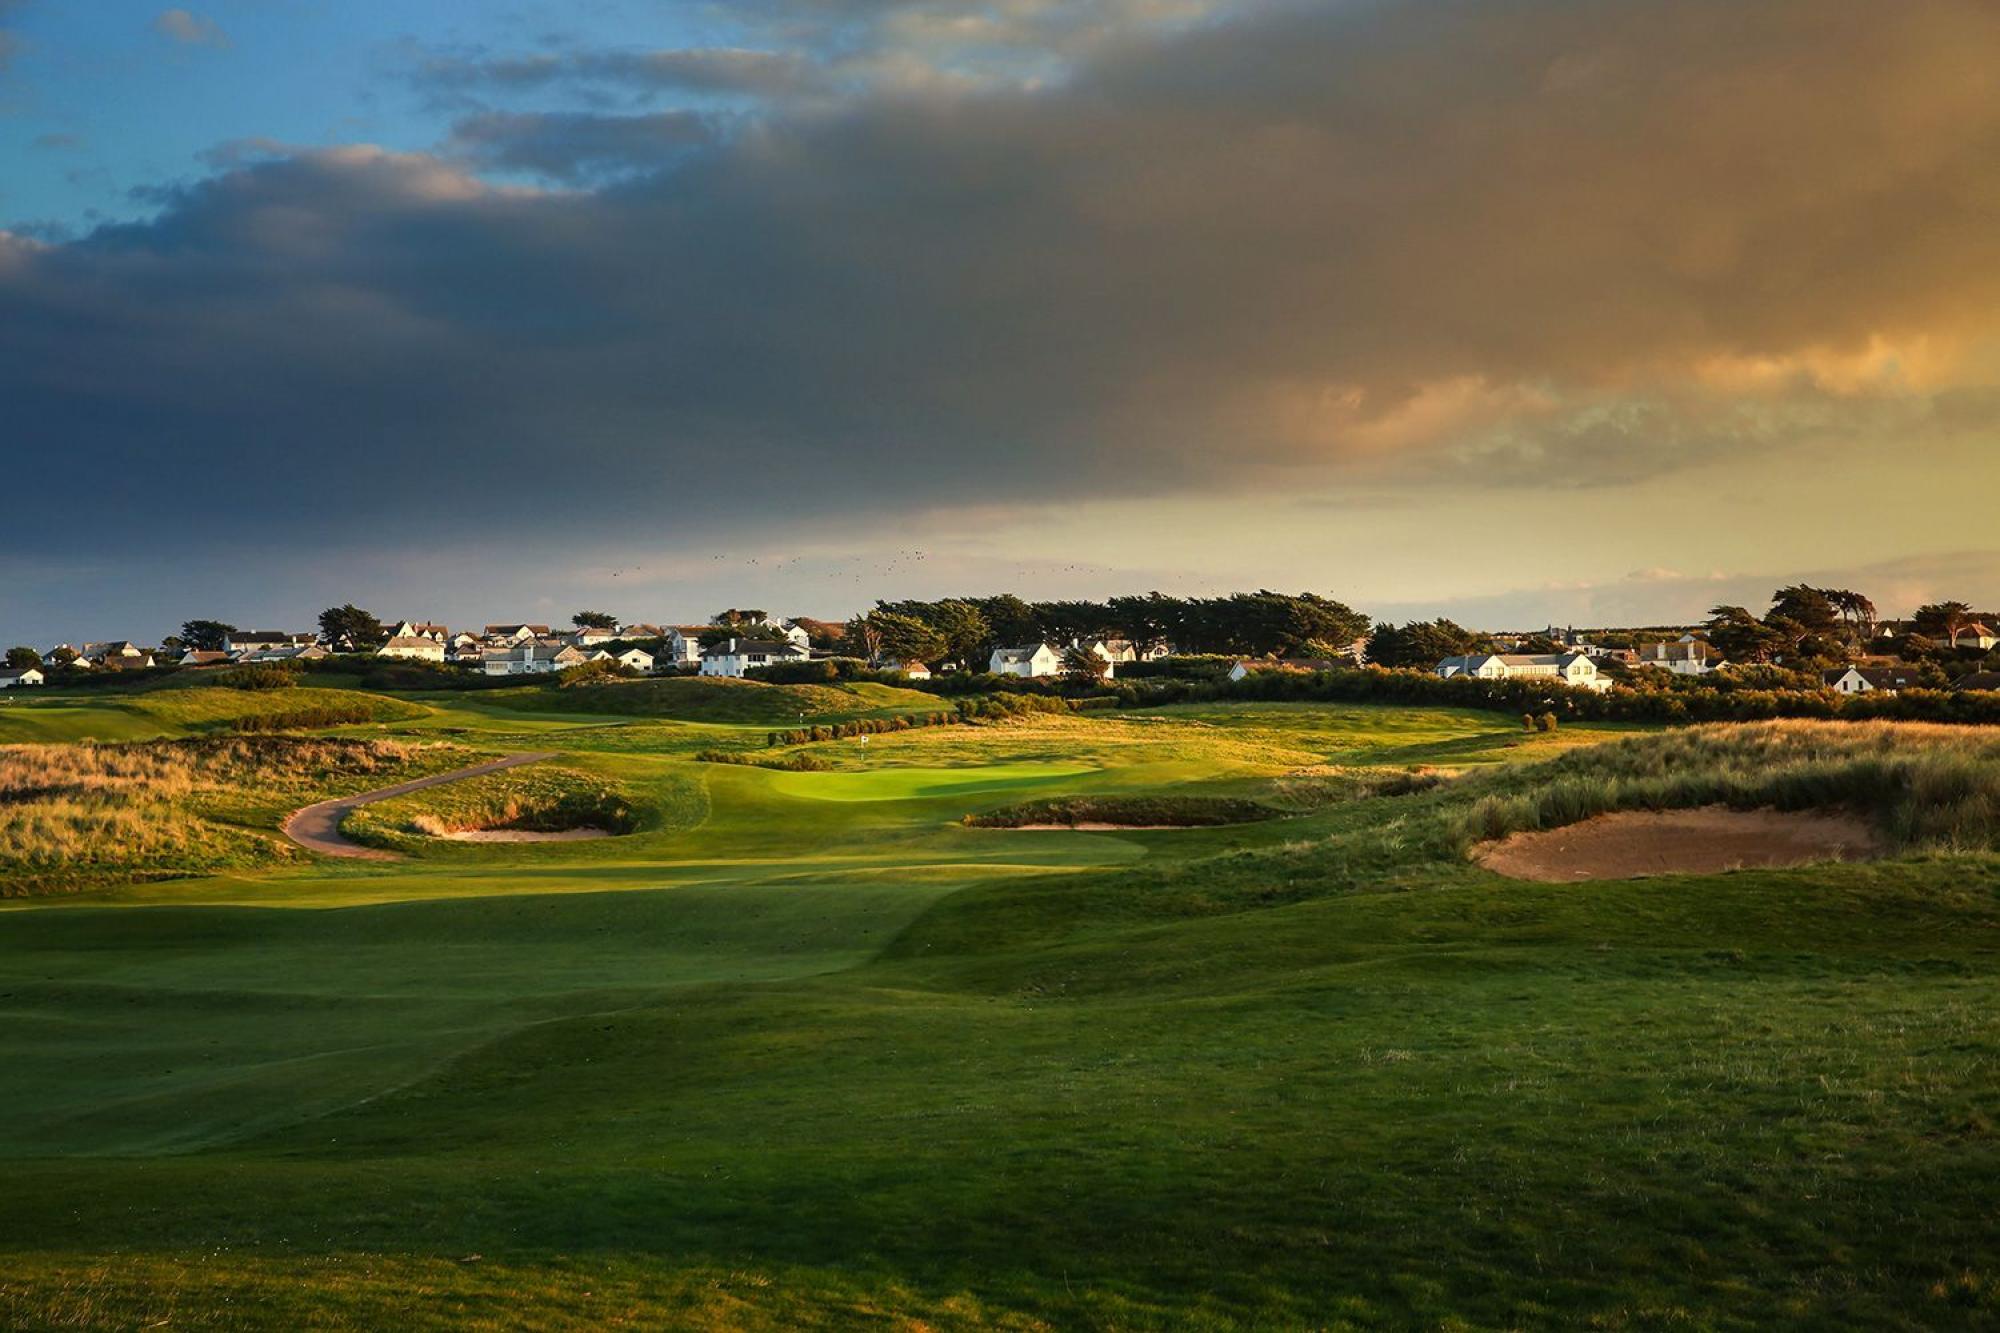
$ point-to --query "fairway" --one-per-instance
(798, 1048)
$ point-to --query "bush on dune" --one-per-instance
(1932, 787)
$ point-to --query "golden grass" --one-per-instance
(71, 813)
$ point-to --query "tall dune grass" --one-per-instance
(72, 813)
(1927, 787)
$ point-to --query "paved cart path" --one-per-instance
(317, 827)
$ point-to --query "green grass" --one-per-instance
(805, 1051)
(161, 713)
(718, 699)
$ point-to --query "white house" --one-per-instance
(536, 658)
(1689, 657)
(202, 657)
(794, 633)
(416, 647)
(914, 670)
(589, 636)
(1572, 669)
(1974, 635)
(514, 634)
(421, 629)
(1870, 679)
(632, 659)
(116, 653)
(683, 645)
(241, 641)
(736, 656)
(12, 679)
(298, 652)
(1034, 659)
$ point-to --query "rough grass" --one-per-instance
(76, 815)
(1928, 787)
(540, 797)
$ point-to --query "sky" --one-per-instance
(1519, 311)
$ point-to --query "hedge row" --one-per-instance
(1641, 704)
(997, 708)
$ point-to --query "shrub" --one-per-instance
(256, 676)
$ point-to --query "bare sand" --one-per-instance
(1706, 841)
(525, 835)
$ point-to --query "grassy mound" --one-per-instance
(720, 699)
(1925, 786)
(220, 709)
(75, 816)
(539, 798)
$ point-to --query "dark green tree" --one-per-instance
(20, 659)
(206, 635)
(348, 626)
(594, 620)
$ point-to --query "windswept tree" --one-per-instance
(862, 639)
(739, 619)
(966, 634)
(22, 658)
(1741, 637)
(906, 639)
(1009, 621)
(594, 620)
(1942, 620)
(1422, 643)
(348, 626)
(206, 635)
(1080, 666)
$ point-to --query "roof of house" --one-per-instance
(411, 641)
(739, 647)
(1020, 652)
(516, 629)
(1693, 651)
(1878, 677)
(13, 673)
(1978, 680)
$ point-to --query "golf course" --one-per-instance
(1206, 1016)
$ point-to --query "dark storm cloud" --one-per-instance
(675, 73)
(1236, 255)
(575, 147)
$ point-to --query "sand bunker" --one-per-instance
(1095, 826)
(1707, 841)
(525, 835)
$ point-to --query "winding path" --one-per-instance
(317, 827)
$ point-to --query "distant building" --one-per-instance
(1576, 670)
(115, 653)
(1250, 665)
(683, 646)
(238, 642)
(420, 629)
(500, 634)
(1870, 679)
(1974, 635)
(914, 670)
(202, 657)
(632, 659)
(1033, 659)
(539, 657)
(1978, 680)
(415, 647)
(12, 679)
(1688, 657)
(734, 657)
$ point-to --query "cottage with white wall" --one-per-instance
(1033, 659)
(26, 676)
(413, 647)
(734, 657)
(1576, 670)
